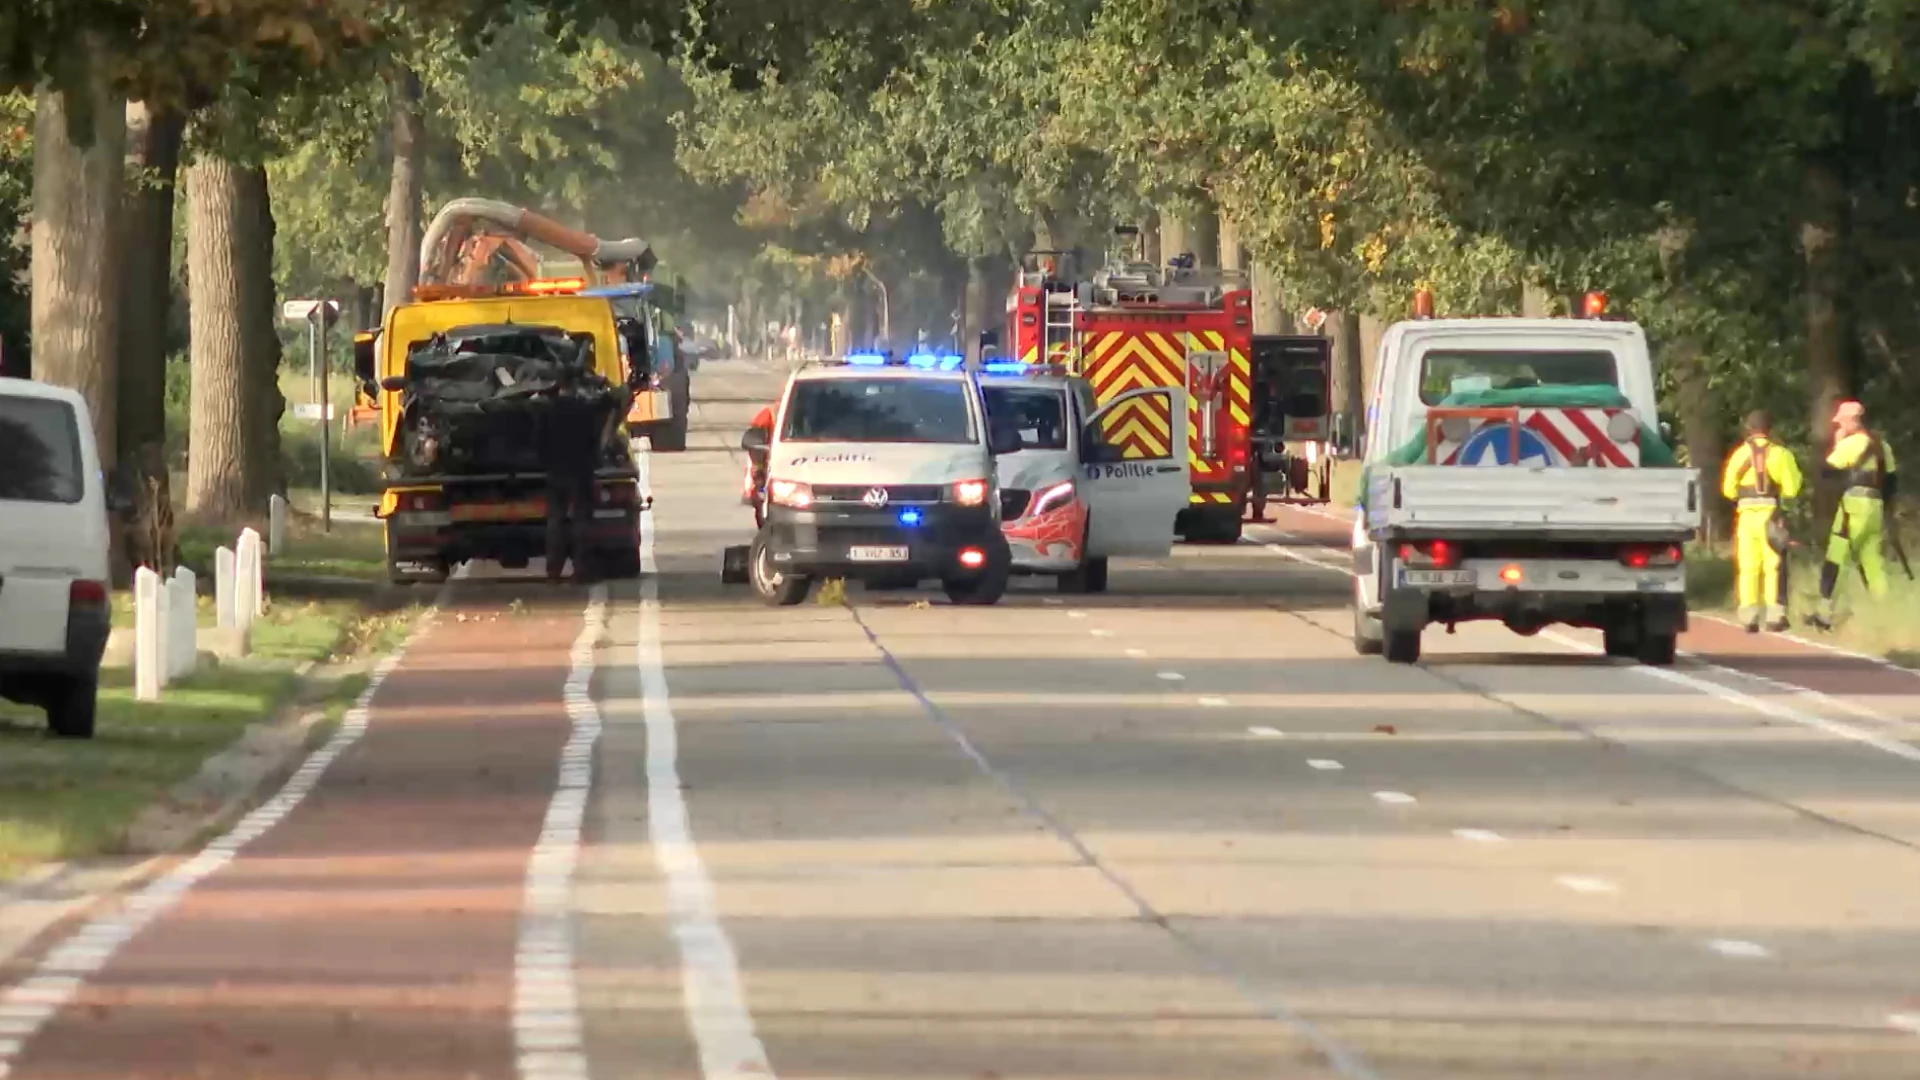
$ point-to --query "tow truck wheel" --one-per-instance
(1620, 639)
(776, 588)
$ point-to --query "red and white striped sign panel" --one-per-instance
(1599, 437)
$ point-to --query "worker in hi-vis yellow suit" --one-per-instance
(1759, 476)
(1864, 465)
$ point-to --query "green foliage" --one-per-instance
(16, 204)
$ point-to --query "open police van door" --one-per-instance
(1133, 473)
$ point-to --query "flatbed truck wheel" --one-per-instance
(1658, 650)
(1401, 646)
(1369, 638)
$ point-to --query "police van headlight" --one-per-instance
(790, 493)
(970, 492)
(1053, 498)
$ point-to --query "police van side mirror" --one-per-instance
(756, 439)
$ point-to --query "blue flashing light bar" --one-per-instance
(1006, 367)
(910, 517)
(867, 359)
(619, 289)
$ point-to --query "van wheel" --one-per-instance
(776, 588)
(70, 710)
(1401, 646)
(990, 584)
(1657, 650)
(1620, 639)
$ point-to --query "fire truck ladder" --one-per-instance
(1058, 332)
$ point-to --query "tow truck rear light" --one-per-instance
(1435, 554)
(972, 558)
(1511, 574)
(1643, 556)
(970, 492)
(545, 287)
(1594, 305)
(1423, 303)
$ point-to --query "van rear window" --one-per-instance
(39, 451)
(1446, 372)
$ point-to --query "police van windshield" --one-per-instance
(880, 410)
(1448, 372)
(1036, 413)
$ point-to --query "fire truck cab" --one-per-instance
(1132, 324)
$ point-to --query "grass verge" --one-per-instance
(1888, 626)
(74, 800)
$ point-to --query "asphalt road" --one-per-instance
(1177, 831)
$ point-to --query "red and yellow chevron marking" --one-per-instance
(1142, 427)
(1233, 413)
(1117, 361)
(1211, 498)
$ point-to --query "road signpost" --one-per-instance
(318, 315)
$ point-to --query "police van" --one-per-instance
(881, 470)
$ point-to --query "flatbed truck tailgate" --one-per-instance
(1454, 500)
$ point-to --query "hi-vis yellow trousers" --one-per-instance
(1756, 566)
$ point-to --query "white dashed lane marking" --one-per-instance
(1265, 732)
(1213, 702)
(1324, 764)
(1172, 676)
(1907, 1022)
(546, 1006)
(1102, 633)
(1479, 836)
(1592, 885)
(1395, 798)
(1741, 950)
(1137, 654)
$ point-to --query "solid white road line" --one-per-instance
(1907, 1022)
(30, 1004)
(1740, 950)
(1396, 798)
(1324, 764)
(1586, 884)
(546, 1004)
(1137, 654)
(716, 1008)
(1102, 633)
(1480, 836)
(1214, 702)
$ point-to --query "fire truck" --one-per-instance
(1133, 324)
(1293, 423)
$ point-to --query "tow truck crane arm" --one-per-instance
(472, 240)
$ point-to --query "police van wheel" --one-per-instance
(776, 588)
(989, 585)
(1089, 577)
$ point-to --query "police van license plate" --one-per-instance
(1438, 577)
(877, 554)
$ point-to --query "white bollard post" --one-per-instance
(276, 524)
(223, 583)
(146, 635)
(254, 575)
(163, 642)
(243, 585)
(183, 645)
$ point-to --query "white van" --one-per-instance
(54, 611)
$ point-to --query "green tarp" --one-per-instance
(1654, 451)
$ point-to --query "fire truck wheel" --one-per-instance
(1401, 646)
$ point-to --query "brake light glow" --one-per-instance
(83, 593)
(791, 493)
(1438, 554)
(1643, 556)
(973, 558)
(970, 492)
(1511, 574)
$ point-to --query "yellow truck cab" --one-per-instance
(465, 381)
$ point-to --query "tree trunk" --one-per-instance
(1822, 236)
(1702, 429)
(259, 315)
(1231, 255)
(1535, 302)
(146, 283)
(1175, 239)
(1203, 239)
(78, 187)
(1346, 368)
(222, 432)
(1269, 307)
(978, 315)
(404, 191)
